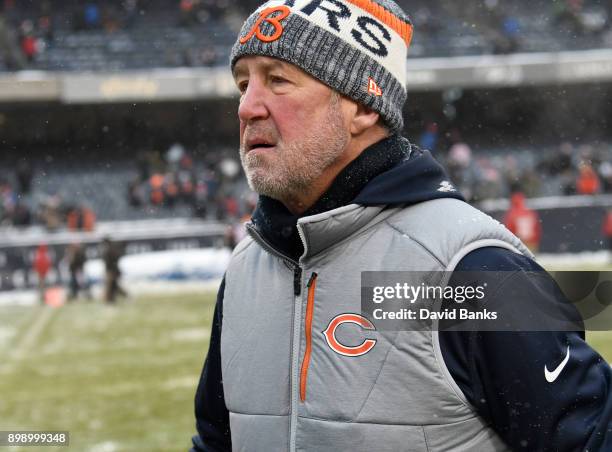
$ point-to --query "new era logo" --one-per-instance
(373, 88)
(446, 186)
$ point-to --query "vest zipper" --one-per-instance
(297, 314)
(295, 356)
(312, 284)
(297, 281)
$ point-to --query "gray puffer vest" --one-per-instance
(286, 388)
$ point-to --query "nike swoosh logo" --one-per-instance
(552, 376)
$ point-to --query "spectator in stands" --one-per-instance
(171, 190)
(208, 56)
(135, 193)
(187, 188)
(200, 200)
(76, 265)
(156, 186)
(29, 43)
(218, 9)
(212, 183)
(50, 212)
(88, 218)
(587, 182)
(523, 222)
(512, 173)
(8, 199)
(530, 183)
(605, 174)
(607, 232)
(174, 155)
(427, 22)
(230, 207)
(188, 9)
(45, 21)
(110, 18)
(561, 165)
(130, 12)
(429, 137)
(111, 254)
(502, 29)
(489, 183)
(91, 16)
(24, 175)
(460, 167)
(511, 31)
(143, 162)
(562, 162)
(568, 15)
(235, 231)
(42, 265)
(21, 215)
(186, 180)
(155, 161)
(9, 49)
(81, 218)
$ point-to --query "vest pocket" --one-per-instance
(312, 284)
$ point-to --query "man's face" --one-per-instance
(291, 126)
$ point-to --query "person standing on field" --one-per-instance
(111, 255)
(607, 231)
(524, 222)
(76, 267)
(42, 265)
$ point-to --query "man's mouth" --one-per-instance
(259, 146)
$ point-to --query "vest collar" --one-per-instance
(319, 232)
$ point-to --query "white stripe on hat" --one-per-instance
(358, 28)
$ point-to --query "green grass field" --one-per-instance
(117, 378)
(602, 342)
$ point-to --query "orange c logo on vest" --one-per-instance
(346, 350)
(266, 16)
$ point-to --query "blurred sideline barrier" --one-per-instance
(571, 224)
(17, 246)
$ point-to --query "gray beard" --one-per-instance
(298, 164)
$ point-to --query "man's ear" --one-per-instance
(363, 119)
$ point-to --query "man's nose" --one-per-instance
(252, 103)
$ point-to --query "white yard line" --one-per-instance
(26, 342)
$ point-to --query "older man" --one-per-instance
(293, 362)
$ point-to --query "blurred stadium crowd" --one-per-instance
(178, 182)
(184, 180)
(153, 185)
(565, 169)
(130, 34)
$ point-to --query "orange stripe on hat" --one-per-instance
(404, 29)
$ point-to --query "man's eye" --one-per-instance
(276, 79)
(242, 86)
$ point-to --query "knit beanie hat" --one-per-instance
(356, 47)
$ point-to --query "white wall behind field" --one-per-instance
(196, 265)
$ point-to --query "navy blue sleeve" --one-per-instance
(212, 417)
(502, 373)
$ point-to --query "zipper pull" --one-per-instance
(312, 278)
(297, 281)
